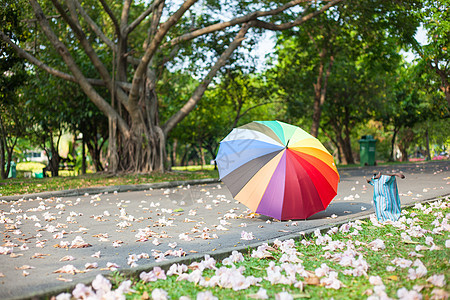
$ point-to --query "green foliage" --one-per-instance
(14, 119)
(434, 54)
(359, 41)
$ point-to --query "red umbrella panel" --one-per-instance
(277, 170)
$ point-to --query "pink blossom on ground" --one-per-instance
(153, 275)
(283, 296)
(207, 263)
(159, 294)
(101, 284)
(401, 262)
(429, 240)
(419, 272)
(375, 280)
(377, 245)
(195, 276)
(247, 236)
(177, 269)
(83, 292)
(290, 258)
(233, 258)
(334, 245)
(323, 270)
(69, 269)
(437, 280)
(64, 296)
(93, 265)
(379, 293)
(112, 266)
(148, 276)
(345, 228)
(332, 281)
(125, 287)
(261, 294)
(404, 294)
(206, 296)
(262, 251)
(160, 274)
(6, 250)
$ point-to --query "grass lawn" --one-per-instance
(408, 259)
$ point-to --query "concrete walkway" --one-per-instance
(97, 232)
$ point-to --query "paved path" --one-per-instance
(117, 225)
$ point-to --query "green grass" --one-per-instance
(436, 262)
(22, 186)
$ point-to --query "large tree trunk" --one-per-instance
(174, 152)
(4, 174)
(347, 139)
(427, 142)
(320, 90)
(403, 151)
(347, 148)
(394, 136)
(83, 156)
(405, 139)
(5, 151)
(54, 157)
(95, 153)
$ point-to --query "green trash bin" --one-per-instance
(12, 170)
(38, 175)
(367, 150)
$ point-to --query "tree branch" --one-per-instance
(98, 64)
(35, 20)
(94, 26)
(124, 17)
(151, 49)
(255, 106)
(30, 58)
(139, 19)
(236, 21)
(70, 62)
(288, 25)
(156, 17)
(201, 88)
(111, 15)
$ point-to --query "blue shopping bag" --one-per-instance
(385, 196)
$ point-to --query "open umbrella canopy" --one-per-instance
(277, 170)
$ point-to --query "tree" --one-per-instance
(355, 28)
(136, 135)
(435, 18)
(334, 68)
(13, 76)
(403, 109)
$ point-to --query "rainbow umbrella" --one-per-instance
(277, 170)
